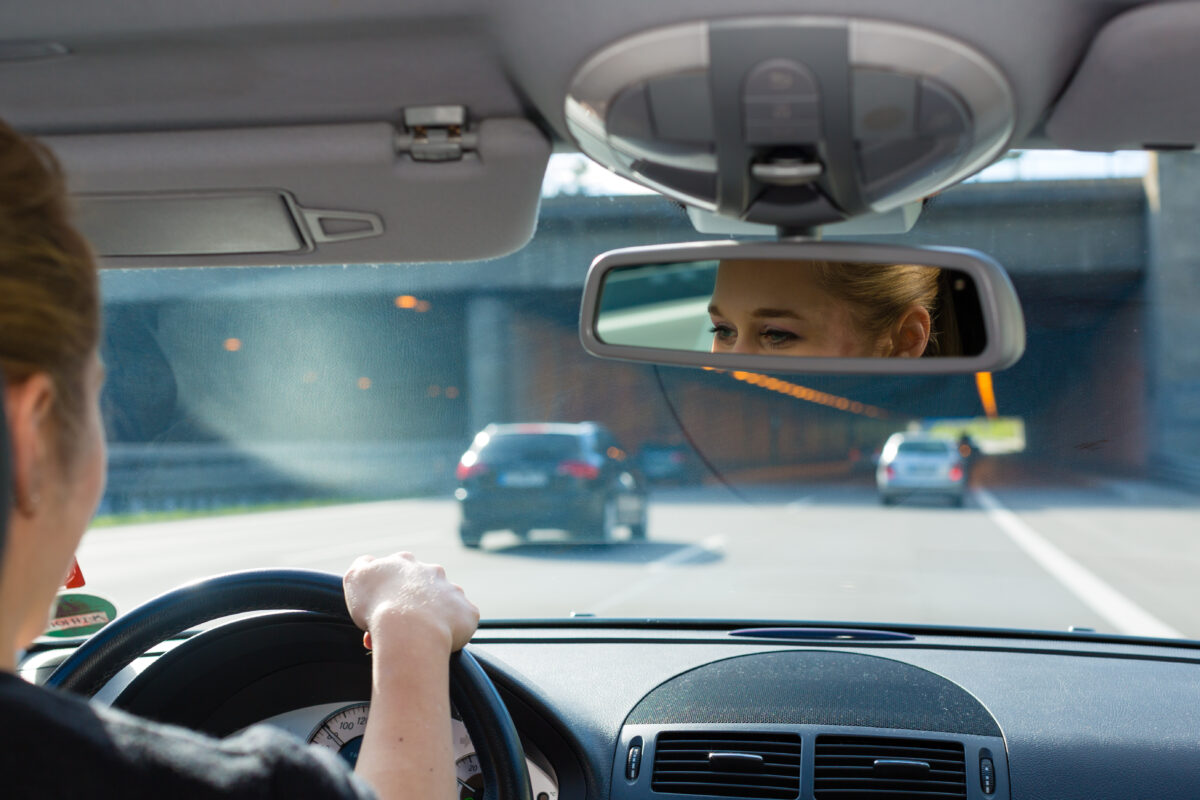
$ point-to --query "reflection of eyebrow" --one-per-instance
(760, 313)
(775, 312)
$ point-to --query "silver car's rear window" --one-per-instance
(928, 448)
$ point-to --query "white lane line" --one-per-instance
(353, 548)
(1124, 615)
(657, 569)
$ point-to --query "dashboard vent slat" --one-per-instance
(682, 765)
(845, 769)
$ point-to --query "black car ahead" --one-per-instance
(570, 476)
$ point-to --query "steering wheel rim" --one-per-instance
(115, 646)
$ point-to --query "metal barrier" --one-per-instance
(168, 476)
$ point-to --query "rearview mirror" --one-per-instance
(803, 307)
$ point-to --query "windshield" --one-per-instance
(299, 417)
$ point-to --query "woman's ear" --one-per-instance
(29, 405)
(910, 335)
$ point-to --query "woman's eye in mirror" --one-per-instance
(723, 335)
(792, 308)
(778, 338)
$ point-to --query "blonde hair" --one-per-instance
(879, 295)
(49, 290)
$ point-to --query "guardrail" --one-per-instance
(160, 476)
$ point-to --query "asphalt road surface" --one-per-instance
(1114, 556)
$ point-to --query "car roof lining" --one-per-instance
(225, 64)
(1133, 87)
(256, 77)
(286, 68)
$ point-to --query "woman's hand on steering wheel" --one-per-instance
(401, 596)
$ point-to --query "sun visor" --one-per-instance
(435, 190)
(1136, 86)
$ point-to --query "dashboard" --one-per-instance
(660, 711)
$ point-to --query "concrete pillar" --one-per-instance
(1173, 317)
(488, 360)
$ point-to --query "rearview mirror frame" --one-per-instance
(1002, 316)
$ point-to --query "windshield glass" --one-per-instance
(299, 417)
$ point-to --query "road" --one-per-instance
(1112, 556)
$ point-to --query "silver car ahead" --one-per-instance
(920, 464)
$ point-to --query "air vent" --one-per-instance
(722, 764)
(877, 768)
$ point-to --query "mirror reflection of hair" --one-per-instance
(882, 295)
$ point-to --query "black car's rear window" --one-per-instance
(531, 447)
(936, 448)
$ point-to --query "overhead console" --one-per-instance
(791, 121)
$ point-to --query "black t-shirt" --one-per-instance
(54, 745)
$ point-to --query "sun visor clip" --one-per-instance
(435, 133)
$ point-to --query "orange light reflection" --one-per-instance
(810, 395)
(987, 393)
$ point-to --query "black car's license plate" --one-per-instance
(522, 479)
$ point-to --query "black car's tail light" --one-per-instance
(578, 469)
(465, 471)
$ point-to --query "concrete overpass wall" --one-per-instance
(1060, 227)
(1173, 302)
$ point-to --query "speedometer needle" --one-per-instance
(464, 784)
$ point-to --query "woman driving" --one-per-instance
(55, 745)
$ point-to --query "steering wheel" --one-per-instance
(108, 651)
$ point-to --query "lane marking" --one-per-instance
(657, 569)
(1125, 615)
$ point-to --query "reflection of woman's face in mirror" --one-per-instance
(794, 309)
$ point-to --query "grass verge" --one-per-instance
(173, 515)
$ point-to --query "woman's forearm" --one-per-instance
(407, 750)
(414, 618)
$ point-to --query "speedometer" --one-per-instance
(342, 731)
(341, 727)
(469, 771)
(470, 778)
